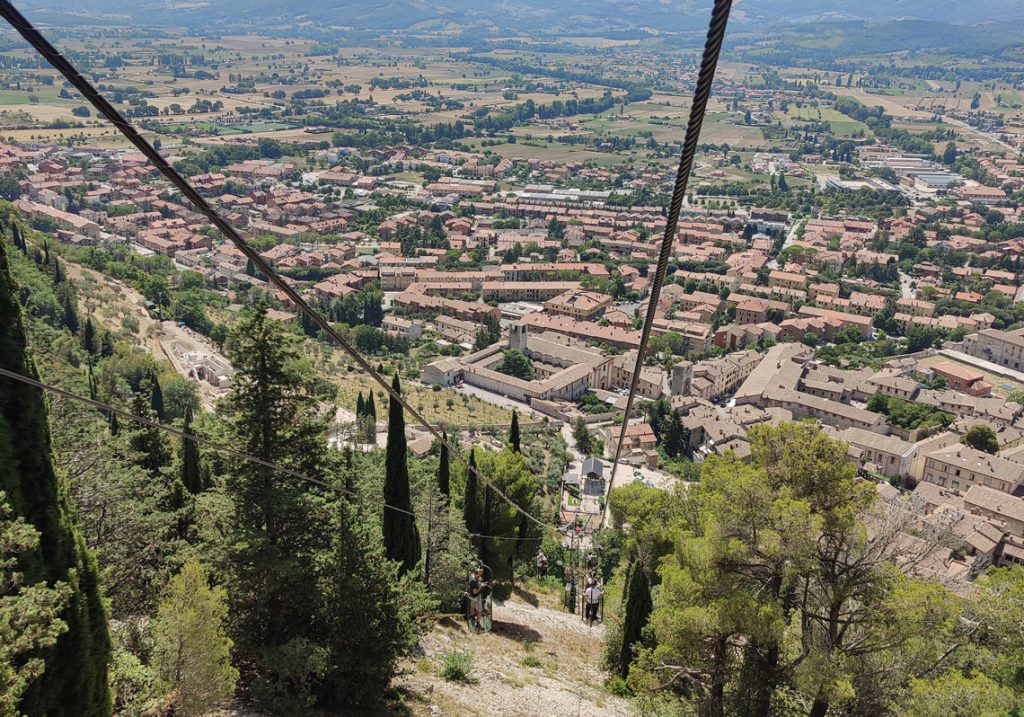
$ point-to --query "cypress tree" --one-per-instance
(471, 502)
(308, 326)
(89, 337)
(401, 538)
(363, 617)
(18, 238)
(444, 468)
(69, 315)
(350, 474)
(147, 440)
(191, 470)
(513, 432)
(74, 680)
(360, 406)
(674, 441)
(638, 609)
(156, 396)
(107, 345)
(93, 390)
(371, 407)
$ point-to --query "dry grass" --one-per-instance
(538, 660)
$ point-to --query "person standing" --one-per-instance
(592, 596)
(542, 565)
(476, 586)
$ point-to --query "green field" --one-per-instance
(15, 97)
(261, 127)
(841, 124)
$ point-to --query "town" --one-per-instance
(488, 230)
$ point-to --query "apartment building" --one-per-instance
(787, 280)
(888, 455)
(578, 304)
(752, 311)
(456, 330)
(526, 290)
(1005, 348)
(1005, 510)
(959, 467)
(718, 377)
(831, 413)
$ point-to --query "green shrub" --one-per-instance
(532, 661)
(618, 687)
(458, 667)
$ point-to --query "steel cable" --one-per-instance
(705, 78)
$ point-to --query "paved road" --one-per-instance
(906, 290)
(498, 400)
(790, 238)
(986, 136)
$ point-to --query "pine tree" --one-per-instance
(277, 530)
(192, 652)
(89, 337)
(367, 616)
(191, 469)
(513, 432)
(156, 396)
(401, 538)
(444, 468)
(75, 676)
(638, 607)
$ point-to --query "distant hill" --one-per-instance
(550, 17)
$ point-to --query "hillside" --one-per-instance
(528, 628)
(602, 17)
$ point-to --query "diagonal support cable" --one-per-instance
(708, 65)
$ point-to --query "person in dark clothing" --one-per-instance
(476, 586)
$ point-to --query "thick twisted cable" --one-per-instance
(708, 65)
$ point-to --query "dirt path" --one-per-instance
(537, 661)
